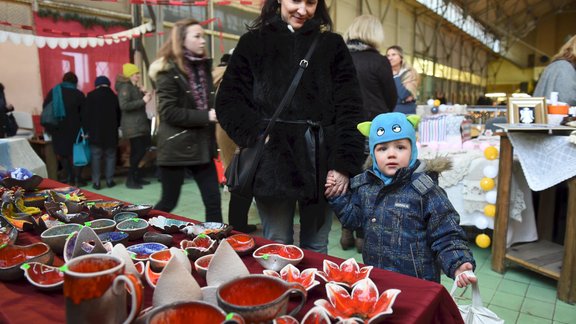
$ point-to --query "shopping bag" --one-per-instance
(475, 313)
(240, 173)
(81, 150)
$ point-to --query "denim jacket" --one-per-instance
(410, 226)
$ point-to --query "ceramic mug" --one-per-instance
(95, 290)
(259, 298)
(191, 312)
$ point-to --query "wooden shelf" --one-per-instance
(543, 257)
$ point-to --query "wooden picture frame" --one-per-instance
(527, 110)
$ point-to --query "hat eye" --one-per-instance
(396, 128)
(380, 131)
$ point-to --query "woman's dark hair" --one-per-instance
(1, 87)
(271, 8)
(70, 77)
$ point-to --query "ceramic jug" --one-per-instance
(259, 298)
(95, 288)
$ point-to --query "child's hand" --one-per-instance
(336, 184)
(464, 280)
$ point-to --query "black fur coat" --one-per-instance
(258, 75)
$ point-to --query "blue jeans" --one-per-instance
(109, 154)
(277, 216)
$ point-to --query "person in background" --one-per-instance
(364, 37)
(5, 109)
(186, 134)
(560, 75)
(410, 225)
(406, 79)
(238, 206)
(68, 100)
(101, 119)
(134, 123)
(440, 97)
(315, 136)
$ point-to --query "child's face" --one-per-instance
(391, 156)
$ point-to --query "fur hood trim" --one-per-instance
(437, 164)
(159, 65)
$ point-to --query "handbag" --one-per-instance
(240, 173)
(47, 118)
(11, 125)
(475, 313)
(81, 150)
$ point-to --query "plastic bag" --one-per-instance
(475, 313)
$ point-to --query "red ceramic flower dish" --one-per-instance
(276, 256)
(241, 243)
(292, 274)
(346, 274)
(286, 251)
(13, 256)
(201, 245)
(43, 276)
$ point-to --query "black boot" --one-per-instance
(131, 181)
(140, 179)
(347, 239)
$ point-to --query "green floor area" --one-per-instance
(517, 296)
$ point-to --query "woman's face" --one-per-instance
(394, 57)
(194, 40)
(297, 12)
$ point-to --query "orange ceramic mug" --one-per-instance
(95, 290)
(191, 312)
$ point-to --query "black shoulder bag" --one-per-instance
(240, 173)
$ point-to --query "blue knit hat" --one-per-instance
(390, 127)
(101, 80)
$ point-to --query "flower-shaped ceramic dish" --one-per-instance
(202, 263)
(213, 229)
(142, 209)
(35, 201)
(365, 302)
(142, 251)
(201, 245)
(67, 207)
(104, 209)
(8, 233)
(102, 225)
(292, 274)
(165, 239)
(42, 276)
(65, 194)
(75, 218)
(276, 256)
(346, 274)
(241, 243)
(122, 216)
(135, 228)
(56, 236)
(113, 237)
(167, 225)
(27, 184)
(13, 256)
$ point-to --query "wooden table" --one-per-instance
(547, 258)
(46, 152)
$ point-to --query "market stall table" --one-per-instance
(419, 302)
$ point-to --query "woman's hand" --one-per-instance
(336, 184)
(212, 115)
(464, 280)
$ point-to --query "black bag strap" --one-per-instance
(290, 93)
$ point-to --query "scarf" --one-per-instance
(197, 79)
(58, 99)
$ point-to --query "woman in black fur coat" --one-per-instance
(314, 136)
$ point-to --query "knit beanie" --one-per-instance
(101, 80)
(129, 69)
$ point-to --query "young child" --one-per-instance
(410, 225)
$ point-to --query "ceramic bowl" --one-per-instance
(28, 184)
(347, 274)
(104, 209)
(159, 259)
(142, 209)
(241, 243)
(276, 256)
(201, 245)
(151, 276)
(190, 312)
(113, 237)
(102, 225)
(67, 207)
(167, 225)
(35, 201)
(122, 216)
(77, 218)
(165, 239)
(142, 251)
(56, 236)
(213, 229)
(364, 303)
(8, 233)
(42, 276)
(292, 274)
(89, 242)
(13, 256)
(135, 228)
(202, 263)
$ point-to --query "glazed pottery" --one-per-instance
(346, 274)
(42, 276)
(113, 237)
(135, 228)
(56, 236)
(95, 289)
(104, 209)
(259, 298)
(241, 243)
(365, 303)
(13, 256)
(159, 259)
(67, 207)
(167, 225)
(142, 209)
(276, 256)
(201, 245)
(101, 225)
(8, 233)
(202, 263)
(122, 216)
(191, 312)
(213, 229)
(135, 268)
(27, 184)
(317, 315)
(176, 283)
(165, 239)
(292, 274)
(83, 242)
(142, 251)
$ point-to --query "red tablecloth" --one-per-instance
(419, 302)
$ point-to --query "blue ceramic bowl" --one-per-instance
(142, 251)
(113, 237)
(122, 216)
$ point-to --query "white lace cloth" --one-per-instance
(17, 153)
(545, 159)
